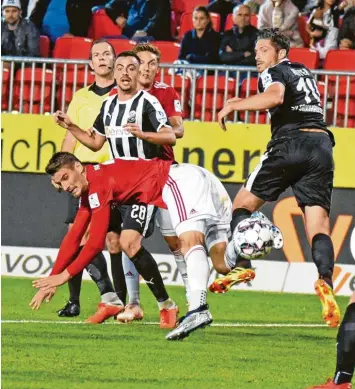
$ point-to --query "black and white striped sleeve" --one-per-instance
(155, 112)
(99, 125)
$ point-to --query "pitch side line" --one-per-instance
(230, 325)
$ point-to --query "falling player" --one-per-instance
(299, 155)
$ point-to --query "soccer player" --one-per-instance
(149, 56)
(299, 155)
(198, 204)
(135, 125)
(83, 109)
(345, 352)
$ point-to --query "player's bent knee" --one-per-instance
(173, 243)
(131, 242)
(190, 239)
(113, 243)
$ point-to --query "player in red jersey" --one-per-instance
(170, 101)
(199, 208)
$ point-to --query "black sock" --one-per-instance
(118, 277)
(238, 215)
(148, 269)
(346, 347)
(323, 257)
(74, 285)
(98, 272)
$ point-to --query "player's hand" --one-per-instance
(62, 119)
(49, 282)
(135, 130)
(40, 296)
(222, 116)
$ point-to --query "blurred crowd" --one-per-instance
(219, 32)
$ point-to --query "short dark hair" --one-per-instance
(102, 40)
(59, 160)
(128, 53)
(147, 47)
(204, 10)
(278, 40)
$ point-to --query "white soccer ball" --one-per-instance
(253, 238)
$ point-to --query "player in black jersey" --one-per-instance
(300, 154)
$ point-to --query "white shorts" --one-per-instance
(197, 201)
(163, 221)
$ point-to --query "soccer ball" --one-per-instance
(253, 238)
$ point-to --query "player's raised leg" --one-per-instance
(345, 352)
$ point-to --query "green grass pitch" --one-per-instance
(51, 355)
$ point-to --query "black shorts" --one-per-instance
(304, 162)
(137, 217)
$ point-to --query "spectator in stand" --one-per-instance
(19, 37)
(323, 26)
(223, 8)
(142, 18)
(281, 14)
(237, 47)
(201, 44)
(346, 38)
(254, 5)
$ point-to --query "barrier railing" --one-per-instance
(41, 86)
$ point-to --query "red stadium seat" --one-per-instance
(253, 90)
(177, 83)
(222, 85)
(44, 46)
(72, 48)
(309, 58)
(38, 89)
(81, 81)
(121, 45)
(186, 23)
(169, 51)
(302, 22)
(182, 6)
(5, 79)
(339, 60)
(254, 20)
(101, 25)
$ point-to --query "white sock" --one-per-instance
(198, 272)
(182, 268)
(230, 256)
(167, 304)
(132, 279)
(111, 298)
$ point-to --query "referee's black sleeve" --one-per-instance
(99, 125)
(156, 113)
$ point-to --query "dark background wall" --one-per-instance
(33, 214)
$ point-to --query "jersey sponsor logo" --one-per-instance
(117, 132)
(131, 117)
(161, 116)
(96, 167)
(177, 106)
(94, 201)
(266, 79)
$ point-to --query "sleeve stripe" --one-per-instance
(274, 82)
(98, 132)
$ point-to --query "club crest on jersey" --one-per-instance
(94, 201)
(161, 115)
(177, 106)
(265, 79)
(131, 117)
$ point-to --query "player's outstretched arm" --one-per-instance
(89, 138)
(177, 125)
(272, 97)
(165, 136)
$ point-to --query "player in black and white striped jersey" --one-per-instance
(135, 125)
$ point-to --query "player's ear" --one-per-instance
(282, 54)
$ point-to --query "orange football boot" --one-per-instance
(331, 385)
(169, 317)
(331, 311)
(104, 312)
(234, 277)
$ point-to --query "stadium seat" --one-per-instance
(121, 45)
(177, 83)
(44, 46)
(302, 22)
(182, 6)
(253, 90)
(169, 51)
(41, 85)
(342, 60)
(223, 84)
(72, 48)
(186, 23)
(81, 81)
(5, 79)
(254, 20)
(343, 91)
(101, 26)
(309, 58)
